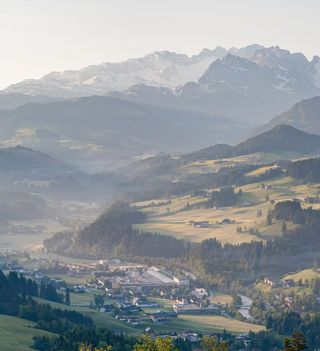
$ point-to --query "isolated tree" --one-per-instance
(287, 345)
(269, 218)
(284, 228)
(67, 297)
(98, 300)
(297, 342)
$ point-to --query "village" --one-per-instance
(148, 298)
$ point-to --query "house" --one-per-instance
(159, 317)
(79, 288)
(106, 309)
(133, 321)
(190, 336)
(148, 330)
(270, 282)
(162, 317)
(244, 340)
(288, 283)
(143, 303)
(128, 308)
(265, 187)
(194, 309)
(200, 224)
(245, 204)
(199, 293)
(184, 281)
(227, 221)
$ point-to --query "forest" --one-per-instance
(114, 233)
(307, 170)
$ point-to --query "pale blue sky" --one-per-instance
(38, 36)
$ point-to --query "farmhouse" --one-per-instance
(161, 317)
(194, 309)
(185, 281)
(200, 224)
(227, 221)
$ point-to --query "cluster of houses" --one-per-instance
(206, 224)
(131, 289)
(282, 283)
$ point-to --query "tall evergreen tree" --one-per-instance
(67, 297)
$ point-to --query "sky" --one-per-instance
(40, 36)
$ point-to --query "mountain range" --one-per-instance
(161, 68)
(251, 84)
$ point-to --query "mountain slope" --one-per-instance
(21, 159)
(14, 100)
(25, 170)
(279, 139)
(304, 115)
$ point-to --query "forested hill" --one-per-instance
(307, 170)
(22, 159)
(113, 233)
(280, 138)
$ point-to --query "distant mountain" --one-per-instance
(14, 100)
(100, 133)
(247, 88)
(22, 159)
(304, 115)
(161, 68)
(29, 171)
(279, 139)
(18, 206)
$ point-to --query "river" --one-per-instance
(246, 303)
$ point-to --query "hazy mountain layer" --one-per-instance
(304, 115)
(102, 132)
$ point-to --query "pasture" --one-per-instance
(16, 334)
(174, 215)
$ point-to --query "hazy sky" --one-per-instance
(39, 36)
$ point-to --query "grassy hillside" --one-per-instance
(16, 334)
(306, 274)
(172, 215)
